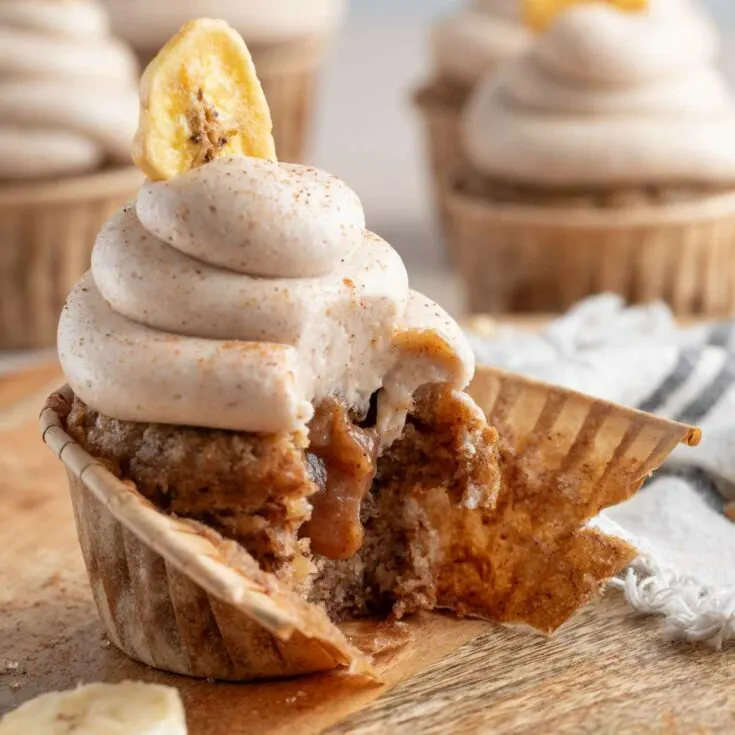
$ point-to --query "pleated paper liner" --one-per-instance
(178, 597)
(47, 230)
(520, 258)
(441, 122)
(289, 73)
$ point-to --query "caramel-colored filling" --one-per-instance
(342, 461)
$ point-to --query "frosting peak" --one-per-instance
(606, 98)
(177, 323)
(599, 44)
(68, 94)
(268, 219)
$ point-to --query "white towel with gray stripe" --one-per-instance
(679, 521)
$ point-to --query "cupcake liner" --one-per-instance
(442, 133)
(289, 75)
(47, 231)
(176, 596)
(565, 457)
(518, 258)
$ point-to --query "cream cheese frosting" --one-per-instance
(482, 35)
(608, 98)
(238, 295)
(68, 97)
(147, 24)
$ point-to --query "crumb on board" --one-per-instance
(8, 666)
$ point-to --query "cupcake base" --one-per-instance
(518, 255)
(251, 488)
(47, 230)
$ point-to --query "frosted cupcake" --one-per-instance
(68, 111)
(602, 159)
(267, 429)
(288, 39)
(465, 47)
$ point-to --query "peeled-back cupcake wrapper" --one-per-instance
(529, 258)
(177, 596)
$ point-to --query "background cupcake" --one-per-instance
(68, 111)
(602, 159)
(287, 38)
(465, 47)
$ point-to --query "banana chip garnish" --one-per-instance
(540, 14)
(201, 99)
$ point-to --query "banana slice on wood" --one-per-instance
(130, 708)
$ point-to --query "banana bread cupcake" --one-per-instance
(602, 159)
(256, 391)
(476, 40)
(289, 40)
(68, 111)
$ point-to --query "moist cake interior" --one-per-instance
(362, 532)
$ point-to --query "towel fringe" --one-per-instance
(692, 611)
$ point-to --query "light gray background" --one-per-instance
(723, 9)
(368, 133)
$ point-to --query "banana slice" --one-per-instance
(540, 14)
(200, 99)
(130, 708)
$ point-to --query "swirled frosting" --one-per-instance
(238, 295)
(607, 97)
(68, 98)
(147, 24)
(482, 35)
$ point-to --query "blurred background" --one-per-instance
(368, 133)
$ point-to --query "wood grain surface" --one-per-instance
(607, 671)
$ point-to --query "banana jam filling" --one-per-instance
(342, 459)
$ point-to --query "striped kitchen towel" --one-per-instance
(683, 519)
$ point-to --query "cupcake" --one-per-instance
(602, 159)
(465, 47)
(68, 110)
(289, 40)
(266, 431)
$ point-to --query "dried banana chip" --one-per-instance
(540, 14)
(201, 99)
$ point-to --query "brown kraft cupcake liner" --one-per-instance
(525, 258)
(441, 123)
(177, 596)
(47, 230)
(289, 75)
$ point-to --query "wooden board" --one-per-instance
(606, 672)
